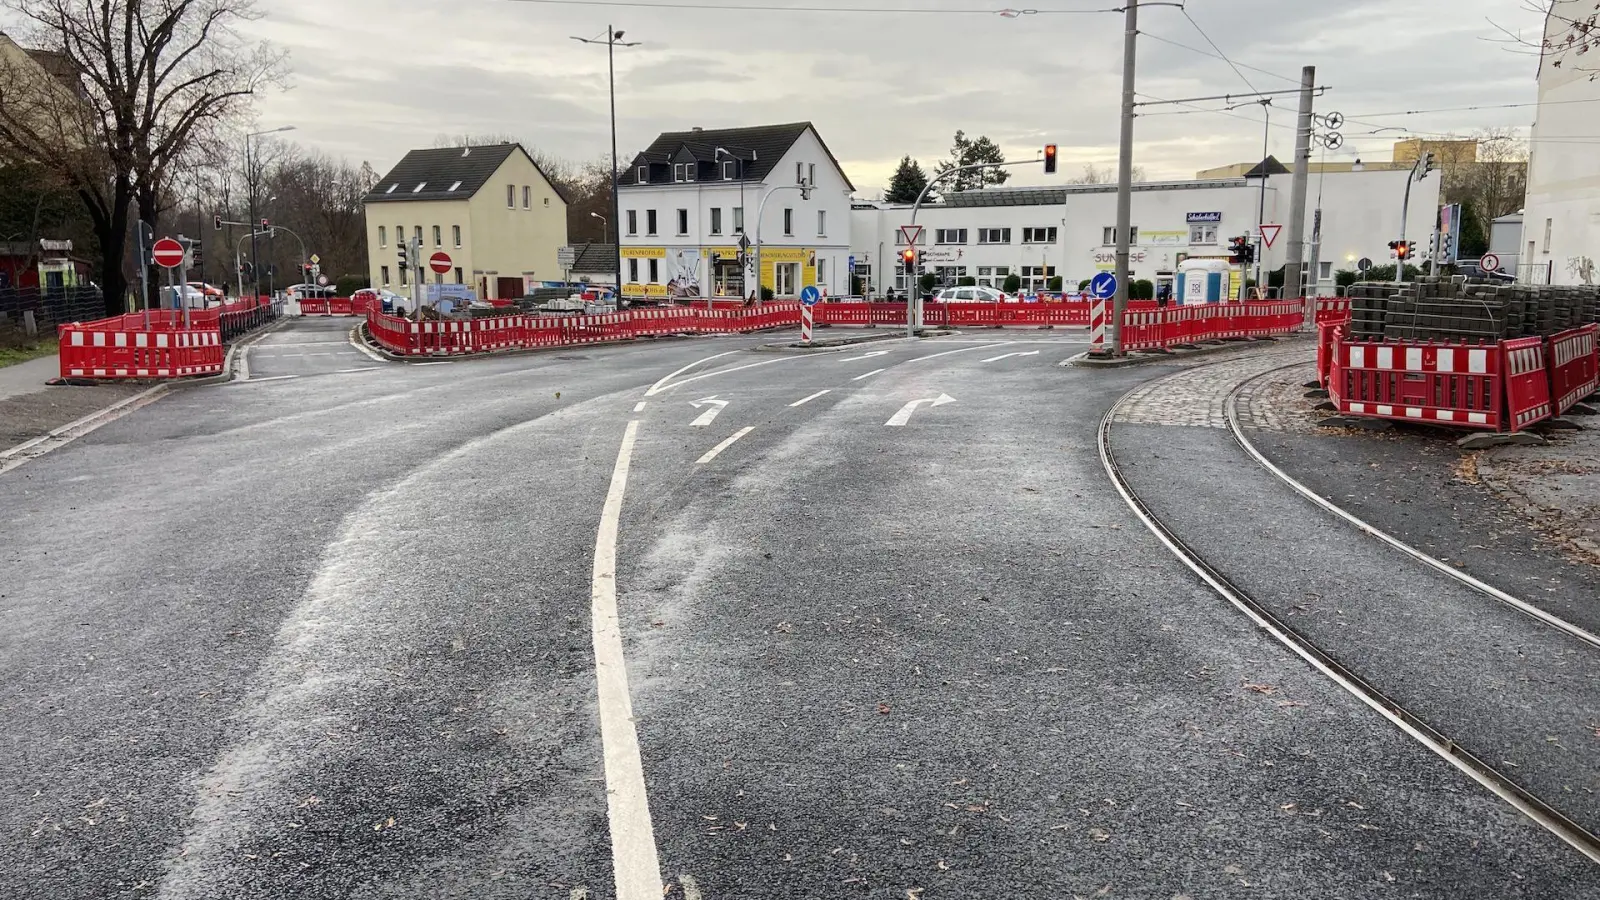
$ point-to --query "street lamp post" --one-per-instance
(613, 40)
(250, 176)
(718, 154)
(606, 224)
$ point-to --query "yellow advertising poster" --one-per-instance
(644, 253)
(771, 257)
(633, 290)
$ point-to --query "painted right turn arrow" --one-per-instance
(904, 415)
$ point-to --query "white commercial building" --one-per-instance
(1041, 232)
(684, 203)
(1561, 218)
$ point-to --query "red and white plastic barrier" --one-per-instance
(1574, 366)
(108, 349)
(1419, 382)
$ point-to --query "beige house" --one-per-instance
(489, 209)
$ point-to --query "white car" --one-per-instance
(193, 297)
(308, 291)
(971, 294)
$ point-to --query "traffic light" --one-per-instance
(1049, 159)
(908, 258)
(216, 222)
(405, 256)
(1402, 249)
(1239, 251)
(265, 224)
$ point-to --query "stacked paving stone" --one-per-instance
(1455, 309)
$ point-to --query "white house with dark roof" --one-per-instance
(490, 209)
(688, 199)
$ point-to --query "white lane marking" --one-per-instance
(691, 888)
(639, 407)
(712, 453)
(66, 434)
(872, 355)
(243, 381)
(904, 415)
(657, 387)
(804, 401)
(710, 415)
(634, 860)
(869, 374)
(1010, 355)
(962, 350)
(579, 893)
(244, 363)
(729, 371)
(355, 341)
(442, 362)
(354, 371)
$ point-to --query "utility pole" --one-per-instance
(1130, 42)
(1296, 249)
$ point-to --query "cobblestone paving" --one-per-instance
(1195, 397)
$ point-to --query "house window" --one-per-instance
(993, 276)
(716, 220)
(438, 236)
(822, 223)
(677, 172)
(1037, 278)
(729, 169)
(788, 222)
(738, 220)
(1325, 270)
(385, 274)
(511, 196)
(455, 234)
(1108, 235)
(650, 222)
(547, 202)
(399, 234)
(383, 237)
(994, 235)
(458, 275)
(633, 221)
(404, 276)
(1039, 235)
(527, 197)
(644, 175)
(683, 222)
(655, 271)
(822, 271)
(950, 236)
(1203, 234)
(950, 274)
(633, 271)
(1549, 225)
(799, 172)
(416, 232)
(811, 173)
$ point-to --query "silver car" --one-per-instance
(970, 294)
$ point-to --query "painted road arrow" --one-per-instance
(1009, 355)
(710, 415)
(904, 415)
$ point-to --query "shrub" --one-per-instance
(1084, 284)
(766, 293)
(349, 284)
(966, 281)
(928, 282)
(1013, 284)
(1054, 284)
(1142, 289)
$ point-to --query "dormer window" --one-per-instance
(730, 169)
(677, 172)
(644, 175)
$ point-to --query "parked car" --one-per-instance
(389, 300)
(210, 290)
(309, 291)
(193, 298)
(972, 294)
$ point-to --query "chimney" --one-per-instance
(698, 128)
(466, 151)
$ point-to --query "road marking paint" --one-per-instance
(639, 407)
(727, 371)
(691, 888)
(442, 362)
(355, 341)
(904, 415)
(579, 893)
(247, 380)
(657, 387)
(869, 374)
(962, 350)
(634, 861)
(804, 401)
(710, 415)
(354, 371)
(872, 355)
(66, 434)
(1010, 355)
(712, 453)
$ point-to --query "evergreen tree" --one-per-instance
(969, 152)
(908, 182)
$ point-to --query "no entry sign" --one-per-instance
(167, 253)
(439, 262)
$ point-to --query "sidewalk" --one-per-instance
(28, 377)
(1557, 485)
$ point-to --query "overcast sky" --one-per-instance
(374, 78)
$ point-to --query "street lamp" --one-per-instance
(250, 174)
(606, 223)
(718, 154)
(612, 41)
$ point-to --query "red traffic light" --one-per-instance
(908, 256)
(1402, 249)
(1049, 159)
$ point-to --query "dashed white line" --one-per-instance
(635, 861)
(639, 407)
(712, 453)
(691, 888)
(244, 381)
(869, 374)
(442, 362)
(354, 371)
(803, 401)
(962, 350)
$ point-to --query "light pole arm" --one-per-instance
(760, 215)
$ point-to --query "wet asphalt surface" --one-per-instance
(329, 637)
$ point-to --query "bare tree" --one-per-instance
(1093, 174)
(1571, 30)
(141, 76)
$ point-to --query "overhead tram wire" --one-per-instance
(1156, 37)
(1005, 12)
(1214, 46)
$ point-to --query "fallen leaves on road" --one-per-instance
(1099, 835)
(883, 709)
(1261, 688)
(386, 823)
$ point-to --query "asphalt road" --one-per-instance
(332, 635)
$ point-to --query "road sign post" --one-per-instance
(1102, 287)
(809, 295)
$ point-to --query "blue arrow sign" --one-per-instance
(1103, 286)
(809, 295)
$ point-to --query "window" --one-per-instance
(454, 185)
(399, 235)
(527, 197)
(899, 238)
(650, 222)
(1549, 225)
(1325, 270)
(385, 274)
(511, 196)
(822, 223)
(993, 276)
(822, 271)
(547, 202)
(633, 271)
(458, 275)
(683, 222)
(633, 221)
(416, 232)
(438, 236)
(392, 187)
(1108, 235)
(738, 220)
(788, 221)
(799, 172)
(716, 220)
(730, 168)
(418, 188)
(655, 272)
(994, 235)
(1037, 278)
(683, 172)
(1203, 233)
(950, 274)
(811, 173)
(1039, 235)
(438, 278)
(455, 236)
(950, 236)
(383, 237)
(644, 175)
(404, 276)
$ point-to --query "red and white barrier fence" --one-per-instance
(162, 343)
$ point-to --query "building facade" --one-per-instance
(1040, 233)
(1561, 218)
(700, 207)
(490, 209)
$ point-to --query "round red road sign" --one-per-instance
(439, 262)
(167, 253)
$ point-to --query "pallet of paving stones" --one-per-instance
(1457, 309)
